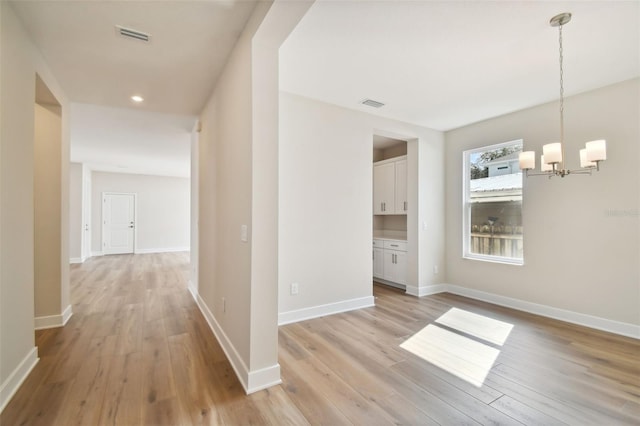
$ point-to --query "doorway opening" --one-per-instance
(390, 209)
(48, 272)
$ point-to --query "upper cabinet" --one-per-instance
(390, 186)
(401, 186)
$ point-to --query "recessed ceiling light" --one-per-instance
(137, 98)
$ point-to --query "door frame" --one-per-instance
(135, 218)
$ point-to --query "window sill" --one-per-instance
(494, 259)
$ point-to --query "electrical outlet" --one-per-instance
(294, 289)
(224, 305)
(435, 269)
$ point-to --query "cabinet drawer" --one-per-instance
(395, 245)
(378, 243)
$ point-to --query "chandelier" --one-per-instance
(552, 160)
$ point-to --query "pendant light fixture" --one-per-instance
(552, 160)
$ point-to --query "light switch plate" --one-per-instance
(243, 233)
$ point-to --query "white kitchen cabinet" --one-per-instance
(401, 187)
(390, 186)
(395, 266)
(390, 260)
(383, 188)
(378, 262)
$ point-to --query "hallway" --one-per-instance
(136, 351)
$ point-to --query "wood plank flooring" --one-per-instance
(137, 351)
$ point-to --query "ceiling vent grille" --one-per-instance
(372, 103)
(129, 33)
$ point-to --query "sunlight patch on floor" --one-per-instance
(482, 327)
(461, 356)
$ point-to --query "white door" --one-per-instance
(118, 223)
(86, 217)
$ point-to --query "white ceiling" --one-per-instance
(131, 141)
(175, 72)
(100, 70)
(438, 64)
(450, 63)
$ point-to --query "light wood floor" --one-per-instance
(138, 351)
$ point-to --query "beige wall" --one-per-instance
(75, 211)
(238, 186)
(225, 197)
(162, 209)
(20, 61)
(47, 210)
(325, 234)
(581, 233)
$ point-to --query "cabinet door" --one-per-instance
(389, 265)
(401, 206)
(400, 267)
(378, 263)
(383, 188)
(395, 266)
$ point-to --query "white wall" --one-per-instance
(75, 211)
(162, 209)
(19, 63)
(238, 186)
(581, 233)
(325, 221)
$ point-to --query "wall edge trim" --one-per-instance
(263, 378)
(53, 321)
(597, 323)
(161, 250)
(324, 310)
(420, 291)
(17, 377)
(238, 365)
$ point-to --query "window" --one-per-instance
(492, 188)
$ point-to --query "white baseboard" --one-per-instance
(251, 381)
(74, 260)
(162, 250)
(323, 310)
(17, 377)
(96, 253)
(426, 290)
(53, 321)
(263, 378)
(611, 326)
(193, 290)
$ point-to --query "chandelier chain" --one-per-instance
(561, 86)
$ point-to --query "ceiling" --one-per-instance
(175, 71)
(128, 141)
(441, 65)
(99, 71)
(446, 64)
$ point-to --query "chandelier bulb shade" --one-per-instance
(552, 160)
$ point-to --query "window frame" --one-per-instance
(466, 207)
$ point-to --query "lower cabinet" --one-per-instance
(395, 266)
(378, 262)
(390, 260)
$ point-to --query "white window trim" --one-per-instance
(466, 208)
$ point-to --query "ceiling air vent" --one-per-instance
(129, 33)
(372, 103)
